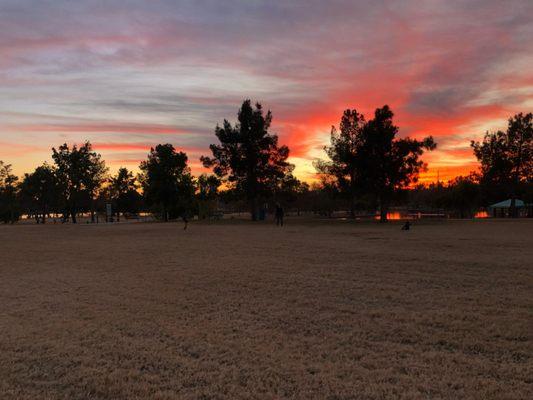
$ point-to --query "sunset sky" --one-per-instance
(127, 75)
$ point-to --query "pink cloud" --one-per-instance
(443, 68)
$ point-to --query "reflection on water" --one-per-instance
(394, 215)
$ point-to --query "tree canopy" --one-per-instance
(390, 163)
(366, 155)
(9, 212)
(367, 162)
(41, 191)
(123, 192)
(207, 186)
(345, 164)
(248, 157)
(80, 172)
(506, 158)
(167, 181)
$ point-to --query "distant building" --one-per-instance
(502, 209)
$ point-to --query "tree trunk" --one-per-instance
(352, 195)
(92, 211)
(253, 208)
(383, 210)
(352, 206)
(73, 214)
(516, 182)
(251, 192)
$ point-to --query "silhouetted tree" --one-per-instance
(9, 212)
(390, 164)
(432, 197)
(41, 191)
(290, 190)
(123, 192)
(366, 157)
(323, 196)
(207, 186)
(95, 178)
(462, 196)
(345, 161)
(248, 156)
(80, 172)
(166, 180)
(507, 157)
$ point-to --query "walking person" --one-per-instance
(185, 220)
(279, 215)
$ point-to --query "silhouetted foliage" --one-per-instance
(248, 156)
(80, 172)
(324, 196)
(429, 198)
(123, 193)
(506, 159)
(367, 168)
(167, 181)
(367, 156)
(208, 186)
(9, 206)
(345, 164)
(207, 195)
(390, 164)
(463, 196)
(292, 192)
(41, 191)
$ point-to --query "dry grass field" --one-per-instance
(232, 310)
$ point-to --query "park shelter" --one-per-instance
(502, 209)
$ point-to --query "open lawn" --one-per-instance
(233, 310)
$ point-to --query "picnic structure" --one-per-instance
(503, 209)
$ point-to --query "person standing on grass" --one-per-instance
(185, 219)
(279, 215)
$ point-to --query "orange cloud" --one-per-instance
(18, 149)
(447, 70)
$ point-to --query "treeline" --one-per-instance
(372, 169)
(367, 168)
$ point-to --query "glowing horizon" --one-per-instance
(129, 77)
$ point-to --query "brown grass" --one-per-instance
(235, 310)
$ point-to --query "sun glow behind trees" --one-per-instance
(140, 74)
(369, 166)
